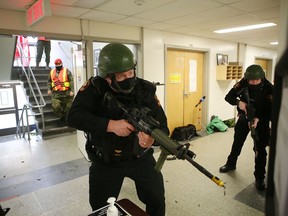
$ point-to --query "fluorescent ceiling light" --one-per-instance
(244, 28)
(274, 43)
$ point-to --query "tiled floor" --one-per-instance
(50, 178)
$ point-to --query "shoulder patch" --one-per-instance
(237, 85)
(84, 86)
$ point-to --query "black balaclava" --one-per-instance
(126, 86)
(59, 68)
(255, 87)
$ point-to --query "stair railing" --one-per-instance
(21, 127)
(40, 101)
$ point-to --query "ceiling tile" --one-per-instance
(61, 10)
(192, 17)
(134, 21)
(101, 16)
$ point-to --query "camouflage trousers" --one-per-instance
(61, 103)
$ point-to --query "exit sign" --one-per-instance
(37, 11)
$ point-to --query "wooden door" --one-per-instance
(263, 63)
(184, 88)
(266, 64)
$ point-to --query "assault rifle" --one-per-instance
(250, 115)
(4, 211)
(143, 121)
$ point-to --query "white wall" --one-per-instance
(153, 51)
(281, 159)
(68, 26)
(7, 45)
(256, 52)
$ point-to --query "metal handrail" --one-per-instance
(39, 103)
(22, 129)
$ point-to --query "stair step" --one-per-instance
(56, 132)
(49, 123)
(53, 126)
(40, 77)
(41, 84)
(47, 110)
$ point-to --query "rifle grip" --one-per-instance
(162, 158)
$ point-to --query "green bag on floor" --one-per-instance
(216, 124)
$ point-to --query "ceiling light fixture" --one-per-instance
(244, 28)
(274, 43)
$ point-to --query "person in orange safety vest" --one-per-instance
(61, 88)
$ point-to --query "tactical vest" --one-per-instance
(108, 147)
(60, 82)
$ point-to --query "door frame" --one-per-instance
(205, 80)
(269, 73)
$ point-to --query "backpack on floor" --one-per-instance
(184, 132)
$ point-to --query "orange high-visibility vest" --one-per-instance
(60, 83)
(43, 38)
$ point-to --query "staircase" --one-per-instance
(52, 124)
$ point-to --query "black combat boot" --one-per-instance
(260, 185)
(226, 168)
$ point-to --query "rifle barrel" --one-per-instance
(170, 146)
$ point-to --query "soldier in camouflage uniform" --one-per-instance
(61, 88)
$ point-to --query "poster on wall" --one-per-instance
(175, 78)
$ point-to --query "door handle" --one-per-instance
(185, 93)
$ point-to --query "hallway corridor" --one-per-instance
(50, 178)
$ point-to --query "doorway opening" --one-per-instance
(185, 78)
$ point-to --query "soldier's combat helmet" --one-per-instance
(254, 72)
(115, 58)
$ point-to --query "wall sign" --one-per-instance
(38, 11)
(175, 78)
